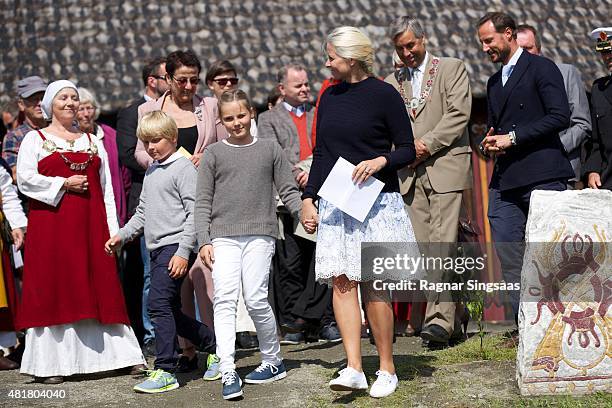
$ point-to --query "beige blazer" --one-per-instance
(441, 123)
(210, 129)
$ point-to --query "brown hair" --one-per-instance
(218, 68)
(500, 21)
(521, 28)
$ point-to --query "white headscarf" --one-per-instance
(52, 90)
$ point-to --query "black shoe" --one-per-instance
(296, 326)
(435, 335)
(148, 350)
(330, 333)
(185, 365)
(246, 341)
(17, 354)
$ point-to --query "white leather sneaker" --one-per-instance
(384, 385)
(349, 379)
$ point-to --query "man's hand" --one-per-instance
(177, 267)
(302, 179)
(422, 152)
(594, 181)
(496, 144)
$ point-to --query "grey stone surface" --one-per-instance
(102, 44)
(565, 319)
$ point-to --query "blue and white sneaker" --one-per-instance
(232, 385)
(157, 381)
(266, 373)
(212, 368)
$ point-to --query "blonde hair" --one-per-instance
(236, 95)
(351, 42)
(156, 124)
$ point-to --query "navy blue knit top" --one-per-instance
(361, 121)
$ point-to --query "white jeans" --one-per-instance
(243, 261)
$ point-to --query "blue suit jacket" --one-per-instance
(533, 104)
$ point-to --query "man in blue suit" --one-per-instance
(527, 108)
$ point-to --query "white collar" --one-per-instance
(147, 98)
(99, 132)
(421, 67)
(235, 145)
(299, 109)
(173, 157)
(515, 57)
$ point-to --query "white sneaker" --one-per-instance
(384, 385)
(349, 379)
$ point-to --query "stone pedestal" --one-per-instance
(565, 318)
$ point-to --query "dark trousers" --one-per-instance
(508, 218)
(165, 312)
(296, 292)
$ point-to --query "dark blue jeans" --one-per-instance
(165, 312)
(508, 211)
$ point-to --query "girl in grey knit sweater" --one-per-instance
(236, 227)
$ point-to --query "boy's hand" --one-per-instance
(112, 244)
(207, 255)
(177, 267)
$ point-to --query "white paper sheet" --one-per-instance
(352, 199)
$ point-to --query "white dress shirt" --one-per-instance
(417, 77)
(297, 110)
(509, 67)
(11, 204)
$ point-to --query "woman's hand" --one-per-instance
(195, 159)
(366, 168)
(76, 184)
(177, 267)
(112, 244)
(17, 235)
(310, 217)
(207, 255)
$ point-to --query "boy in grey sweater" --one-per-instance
(165, 213)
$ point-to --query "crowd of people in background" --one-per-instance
(189, 227)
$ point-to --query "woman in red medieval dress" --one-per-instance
(72, 304)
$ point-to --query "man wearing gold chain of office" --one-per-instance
(436, 91)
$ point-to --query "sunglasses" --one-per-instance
(224, 81)
(183, 81)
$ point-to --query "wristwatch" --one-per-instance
(512, 138)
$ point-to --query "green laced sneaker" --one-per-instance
(212, 368)
(157, 381)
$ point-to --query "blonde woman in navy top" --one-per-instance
(359, 119)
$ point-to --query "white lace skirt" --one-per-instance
(82, 347)
(340, 236)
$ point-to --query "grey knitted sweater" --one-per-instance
(235, 191)
(165, 210)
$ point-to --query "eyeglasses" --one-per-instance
(159, 77)
(87, 108)
(224, 81)
(183, 81)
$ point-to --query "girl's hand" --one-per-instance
(207, 255)
(177, 267)
(76, 184)
(366, 168)
(195, 159)
(594, 181)
(112, 244)
(17, 235)
(310, 217)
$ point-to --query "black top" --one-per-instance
(187, 138)
(599, 145)
(361, 121)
